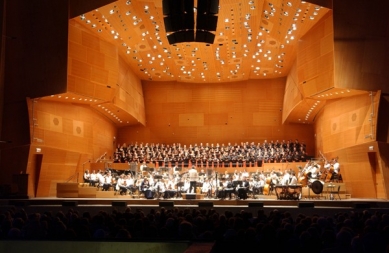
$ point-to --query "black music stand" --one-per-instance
(236, 183)
(158, 178)
(179, 185)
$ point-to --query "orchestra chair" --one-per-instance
(337, 178)
(335, 192)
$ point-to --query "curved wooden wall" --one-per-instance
(68, 136)
(346, 129)
(361, 41)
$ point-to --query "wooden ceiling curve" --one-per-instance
(254, 39)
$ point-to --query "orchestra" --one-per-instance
(171, 181)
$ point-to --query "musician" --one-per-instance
(130, 183)
(243, 189)
(245, 174)
(87, 177)
(170, 188)
(93, 179)
(336, 166)
(206, 189)
(186, 186)
(145, 185)
(293, 179)
(202, 176)
(314, 172)
(160, 187)
(193, 177)
(285, 178)
(236, 176)
(143, 166)
(107, 181)
(121, 185)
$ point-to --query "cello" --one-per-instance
(328, 172)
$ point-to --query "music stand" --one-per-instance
(179, 185)
(236, 183)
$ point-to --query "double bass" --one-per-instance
(328, 173)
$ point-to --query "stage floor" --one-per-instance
(318, 206)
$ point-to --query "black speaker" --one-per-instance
(205, 204)
(179, 37)
(255, 204)
(175, 23)
(166, 204)
(362, 205)
(176, 7)
(119, 203)
(306, 204)
(208, 6)
(206, 37)
(69, 203)
(206, 22)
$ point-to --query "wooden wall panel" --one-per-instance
(343, 130)
(346, 122)
(228, 112)
(68, 135)
(129, 93)
(92, 64)
(315, 58)
(361, 41)
(383, 165)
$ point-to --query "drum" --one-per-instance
(294, 192)
(317, 187)
(149, 194)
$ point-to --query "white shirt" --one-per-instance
(336, 167)
(193, 175)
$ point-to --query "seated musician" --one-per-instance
(243, 189)
(186, 186)
(107, 181)
(206, 189)
(160, 187)
(121, 184)
(93, 179)
(87, 177)
(314, 172)
(285, 178)
(336, 166)
(145, 185)
(130, 183)
(293, 179)
(170, 190)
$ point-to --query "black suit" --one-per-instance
(242, 191)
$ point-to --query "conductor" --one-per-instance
(193, 176)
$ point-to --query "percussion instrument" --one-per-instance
(317, 187)
(288, 192)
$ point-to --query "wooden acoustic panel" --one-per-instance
(244, 111)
